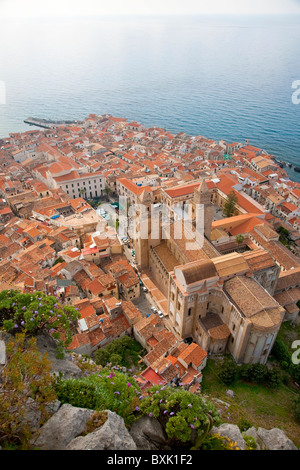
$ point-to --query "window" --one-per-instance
(189, 311)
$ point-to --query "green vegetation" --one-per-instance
(283, 352)
(285, 238)
(254, 404)
(31, 313)
(124, 352)
(185, 416)
(230, 204)
(239, 239)
(104, 390)
(26, 376)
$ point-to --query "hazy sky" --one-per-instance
(62, 8)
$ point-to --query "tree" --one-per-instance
(32, 313)
(239, 239)
(123, 352)
(26, 386)
(230, 204)
(107, 191)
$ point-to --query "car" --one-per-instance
(154, 309)
(188, 340)
(145, 289)
(161, 315)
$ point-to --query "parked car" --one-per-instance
(188, 340)
(145, 289)
(154, 309)
(160, 314)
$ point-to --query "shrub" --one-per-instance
(108, 390)
(123, 352)
(273, 378)
(244, 372)
(258, 373)
(31, 313)
(25, 382)
(281, 351)
(294, 370)
(185, 416)
(244, 424)
(250, 442)
(296, 404)
(228, 372)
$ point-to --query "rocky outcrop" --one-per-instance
(233, 433)
(148, 434)
(67, 429)
(112, 435)
(273, 439)
(65, 366)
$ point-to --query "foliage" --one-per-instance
(26, 384)
(185, 416)
(258, 373)
(109, 390)
(124, 352)
(228, 372)
(230, 204)
(250, 442)
(297, 408)
(36, 312)
(244, 424)
(239, 239)
(217, 442)
(283, 354)
(281, 351)
(294, 370)
(273, 378)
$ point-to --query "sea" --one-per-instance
(223, 77)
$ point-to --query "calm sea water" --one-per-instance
(222, 77)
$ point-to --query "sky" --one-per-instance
(64, 8)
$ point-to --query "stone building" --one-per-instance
(223, 301)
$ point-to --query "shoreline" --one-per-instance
(43, 123)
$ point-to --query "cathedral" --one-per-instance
(223, 301)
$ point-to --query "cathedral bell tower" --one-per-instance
(142, 229)
(203, 206)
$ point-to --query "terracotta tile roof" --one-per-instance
(193, 354)
(120, 325)
(254, 302)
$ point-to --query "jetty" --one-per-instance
(48, 124)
